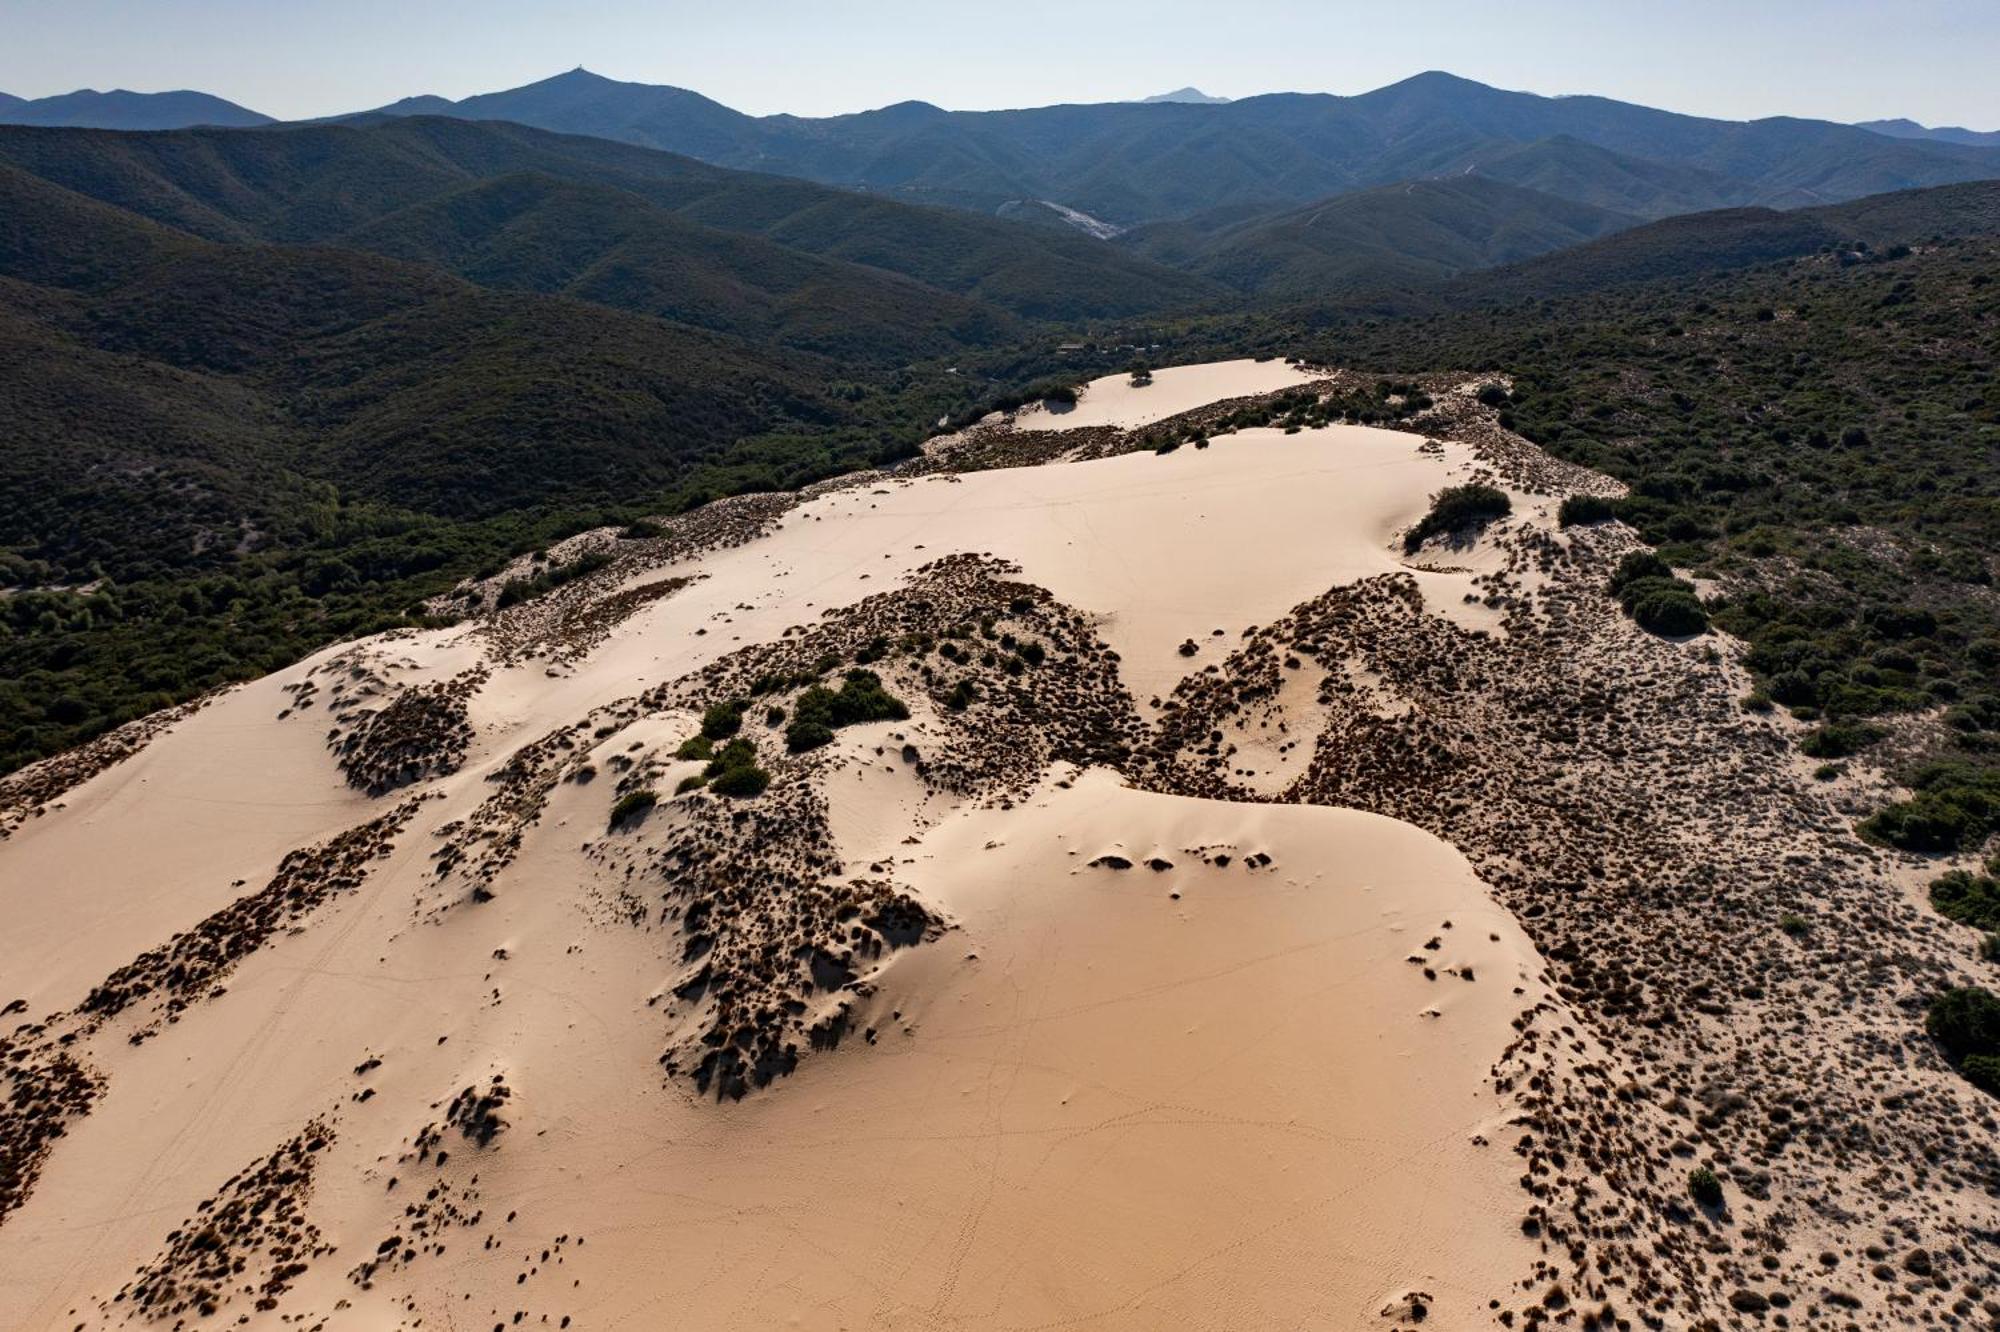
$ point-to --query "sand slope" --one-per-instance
(1223, 1092)
(1115, 401)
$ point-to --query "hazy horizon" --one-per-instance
(1838, 60)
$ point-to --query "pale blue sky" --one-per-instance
(1932, 60)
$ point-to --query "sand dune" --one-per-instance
(346, 1001)
(1115, 401)
(1140, 1096)
(1152, 1099)
(1163, 549)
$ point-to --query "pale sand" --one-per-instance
(1164, 548)
(1231, 1109)
(1130, 1110)
(1225, 1110)
(1114, 401)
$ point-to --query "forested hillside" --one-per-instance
(221, 456)
(1818, 440)
(407, 185)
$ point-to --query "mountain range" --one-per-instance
(1211, 163)
(1130, 163)
(1910, 129)
(119, 109)
(1109, 167)
(1409, 233)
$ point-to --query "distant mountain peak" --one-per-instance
(1436, 78)
(1905, 128)
(569, 78)
(1191, 95)
(913, 110)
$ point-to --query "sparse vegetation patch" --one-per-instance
(1457, 509)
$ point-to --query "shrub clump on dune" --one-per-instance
(1659, 602)
(723, 720)
(1956, 804)
(734, 771)
(631, 805)
(1968, 898)
(1966, 1023)
(1839, 739)
(1581, 509)
(1456, 508)
(820, 711)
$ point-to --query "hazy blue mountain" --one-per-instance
(579, 102)
(1190, 95)
(122, 110)
(1569, 168)
(7, 100)
(1128, 163)
(1410, 234)
(1910, 129)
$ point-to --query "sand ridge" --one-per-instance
(1115, 400)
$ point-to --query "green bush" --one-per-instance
(1706, 1188)
(723, 720)
(1637, 566)
(802, 735)
(1966, 1024)
(1586, 509)
(1839, 739)
(1983, 1072)
(517, 590)
(820, 711)
(1956, 804)
(734, 771)
(1672, 611)
(1456, 508)
(1661, 603)
(749, 780)
(696, 747)
(1968, 898)
(633, 804)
